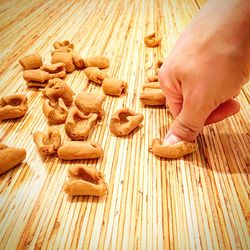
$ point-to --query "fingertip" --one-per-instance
(171, 139)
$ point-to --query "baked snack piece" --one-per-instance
(56, 89)
(76, 150)
(90, 103)
(85, 180)
(78, 125)
(124, 121)
(47, 144)
(100, 62)
(33, 61)
(172, 151)
(13, 106)
(114, 87)
(152, 94)
(95, 75)
(55, 112)
(10, 157)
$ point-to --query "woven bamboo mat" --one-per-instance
(199, 201)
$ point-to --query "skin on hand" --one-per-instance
(207, 68)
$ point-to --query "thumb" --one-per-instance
(190, 121)
(175, 134)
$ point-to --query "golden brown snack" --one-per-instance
(10, 157)
(124, 121)
(153, 78)
(100, 62)
(65, 58)
(13, 106)
(55, 112)
(151, 85)
(152, 40)
(78, 125)
(60, 74)
(63, 44)
(47, 144)
(152, 94)
(114, 87)
(66, 50)
(76, 150)
(33, 61)
(80, 171)
(36, 75)
(37, 84)
(56, 70)
(77, 60)
(90, 103)
(95, 74)
(85, 180)
(56, 89)
(172, 151)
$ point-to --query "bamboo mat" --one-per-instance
(199, 201)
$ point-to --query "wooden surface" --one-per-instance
(200, 201)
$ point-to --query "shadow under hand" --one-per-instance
(223, 152)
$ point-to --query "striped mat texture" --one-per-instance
(200, 201)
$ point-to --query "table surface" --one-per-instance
(199, 201)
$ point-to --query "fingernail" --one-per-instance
(171, 139)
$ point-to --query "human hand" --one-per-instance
(206, 69)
